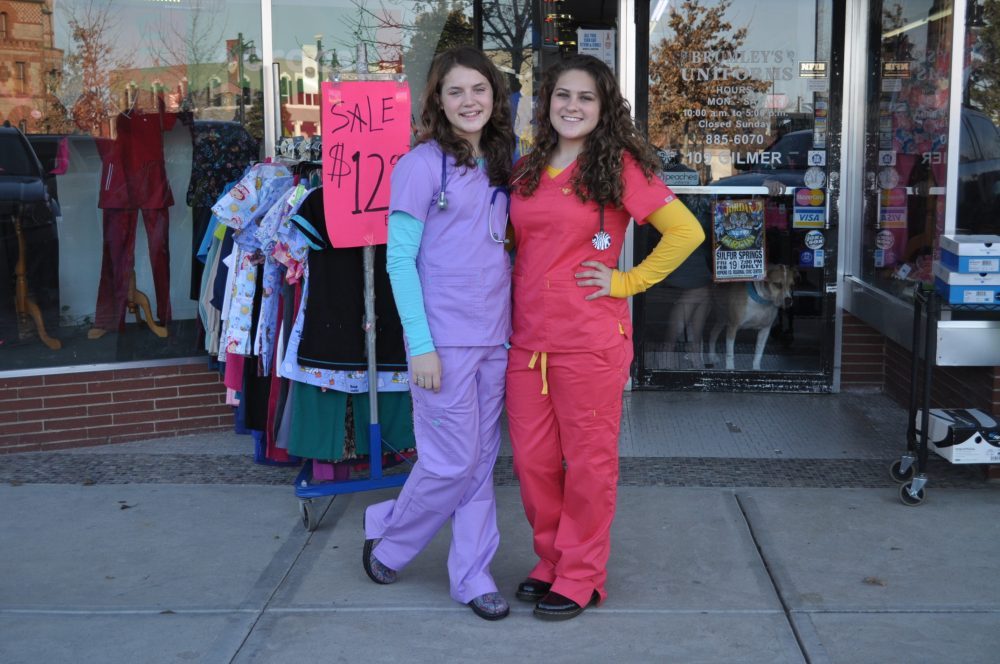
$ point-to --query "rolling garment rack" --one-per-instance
(910, 470)
(306, 491)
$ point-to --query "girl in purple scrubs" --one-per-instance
(450, 278)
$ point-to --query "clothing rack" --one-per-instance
(304, 490)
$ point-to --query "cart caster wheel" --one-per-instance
(907, 499)
(310, 520)
(897, 475)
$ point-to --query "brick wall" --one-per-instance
(98, 407)
(862, 356)
(870, 361)
(952, 387)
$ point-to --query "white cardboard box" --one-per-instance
(971, 254)
(960, 288)
(962, 435)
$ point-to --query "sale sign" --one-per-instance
(366, 129)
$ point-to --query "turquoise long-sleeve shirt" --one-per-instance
(405, 233)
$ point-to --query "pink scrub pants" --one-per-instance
(458, 438)
(570, 506)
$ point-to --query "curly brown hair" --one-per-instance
(599, 165)
(497, 141)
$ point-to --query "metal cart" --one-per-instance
(305, 491)
(910, 471)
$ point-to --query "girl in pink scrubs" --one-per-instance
(574, 195)
(450, 277)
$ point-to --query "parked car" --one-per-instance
(24, 197)
(978, 175)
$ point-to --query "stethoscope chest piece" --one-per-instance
(601, 240)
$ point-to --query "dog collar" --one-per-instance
(754, 295)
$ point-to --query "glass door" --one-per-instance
(743, 105)
(906, 142)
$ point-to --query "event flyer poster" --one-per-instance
(738, 240)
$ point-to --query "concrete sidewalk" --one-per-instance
(155, 571)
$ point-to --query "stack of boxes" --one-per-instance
(969, 270)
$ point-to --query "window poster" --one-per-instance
(738, 240)
(598, 43)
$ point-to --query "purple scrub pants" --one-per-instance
(458, 438)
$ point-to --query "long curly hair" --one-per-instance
(599, 164)
(497, 141)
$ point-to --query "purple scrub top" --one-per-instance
(464, 273)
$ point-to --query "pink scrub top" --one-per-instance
(553, 230)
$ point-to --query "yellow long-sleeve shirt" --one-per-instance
(681, 235)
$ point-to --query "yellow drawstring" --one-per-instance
(545, 368)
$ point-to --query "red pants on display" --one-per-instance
(570, 507)
(119, 261)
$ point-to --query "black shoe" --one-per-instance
(375, 570)
(557, 607)
(532, 590)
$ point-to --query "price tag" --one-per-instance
(366, 129)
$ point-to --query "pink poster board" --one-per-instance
(366, 129)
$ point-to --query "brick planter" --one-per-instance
(99, 407)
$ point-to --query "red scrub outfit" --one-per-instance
(567, 368)
(134, 178)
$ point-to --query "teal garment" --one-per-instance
(405, 232)
(318, 422)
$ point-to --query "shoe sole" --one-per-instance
(563, 615)
(557, 615)
(366, 561)
(488, 616)
(366, 556)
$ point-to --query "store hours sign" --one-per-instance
(732, 106)
(366, 129)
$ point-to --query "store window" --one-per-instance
(21, 77)
(906, 157)
(979, 163)
(149, 107)
(744, 110)
(378, 37)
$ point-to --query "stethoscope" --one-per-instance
(442, 202)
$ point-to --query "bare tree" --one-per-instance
(507, 28)
(55, 118)
(94, 63)
(193, 46)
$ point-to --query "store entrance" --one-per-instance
(742, 101)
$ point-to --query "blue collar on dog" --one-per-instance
(754, 295)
